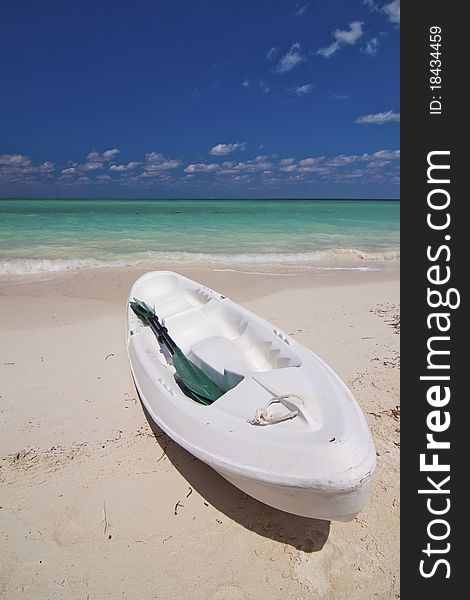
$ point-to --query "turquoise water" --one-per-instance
(57, 234)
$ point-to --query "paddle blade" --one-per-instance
(142, 310)
(191, 376)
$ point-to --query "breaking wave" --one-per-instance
(325, 259)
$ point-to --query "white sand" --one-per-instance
(89, 489)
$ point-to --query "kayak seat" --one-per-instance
(262, 350)
(221, 360)
(182, 302)
(228, 361)
(265, 351)
(172, 307)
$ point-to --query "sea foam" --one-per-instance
(326, 260)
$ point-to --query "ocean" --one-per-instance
(283, 236)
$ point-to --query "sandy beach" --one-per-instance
(97, 503)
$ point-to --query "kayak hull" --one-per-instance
(317, 463)
(313, 502)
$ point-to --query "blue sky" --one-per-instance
(172, 98)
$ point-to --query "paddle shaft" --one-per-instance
(201, 387)
(162, 333)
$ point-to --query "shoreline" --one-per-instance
(390, 271)
(298, 263)
(95, 496)
(115, 283)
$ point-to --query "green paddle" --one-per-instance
(191, 378)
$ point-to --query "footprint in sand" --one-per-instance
(229, 591)
(71, 529)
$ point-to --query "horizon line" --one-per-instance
(132, 198)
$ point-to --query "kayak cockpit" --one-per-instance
(214, 334)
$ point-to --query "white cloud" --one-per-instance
(265, 88)
(386, 154)
(311, 162)
(271, 52)
(290, 60)
(96, 160)
(342, 160)
(92, 166)
(311, 165)
(120, 168)
(301, 90)
(265, 169)
(228, 168)
(46, 167)
(339, 96)
(322, 166)
(202, 168)
(371, 47)
(15, 160)
(223, 149)
(300, 9)
(354, 174)
(392, 10)
(288, 168)
(20, 168)
(378, 118)
(246, 83)
(155, 157)
(258, 164)
(95, 156)
(351, 35)
(377, 164)
(156, 164)
(329, 50)
(342, 37)
(108, 154)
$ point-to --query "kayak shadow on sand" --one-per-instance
(305, 534)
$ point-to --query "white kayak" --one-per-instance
(287, 430)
